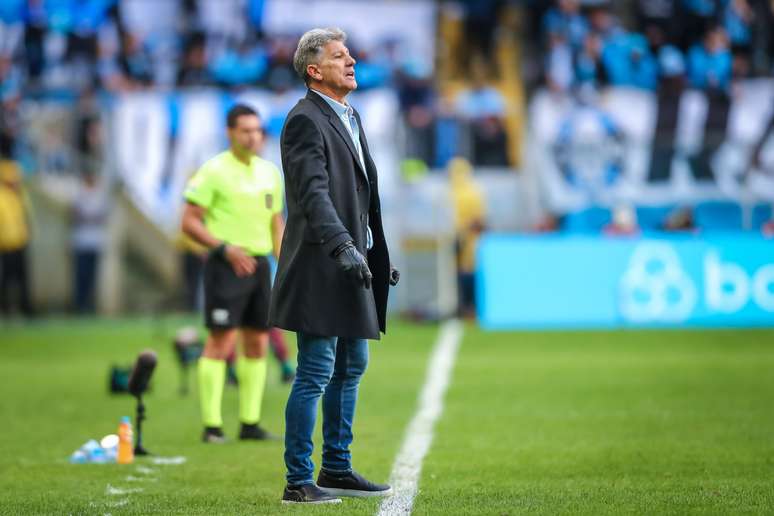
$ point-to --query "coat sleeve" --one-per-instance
(307, 171)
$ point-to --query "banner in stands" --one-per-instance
(635, 147)
(162, 139)
(543, 282)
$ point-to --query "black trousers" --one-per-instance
(85, 263)
(14, 282)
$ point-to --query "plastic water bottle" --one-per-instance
(125, 438)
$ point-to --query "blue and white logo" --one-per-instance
(655, 287)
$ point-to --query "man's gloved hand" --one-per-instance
(353, 263)
(394, 276)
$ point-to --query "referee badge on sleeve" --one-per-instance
(269, 201)
(220, 316)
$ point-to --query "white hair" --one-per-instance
(310, 45)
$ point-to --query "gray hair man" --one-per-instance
(334, 270)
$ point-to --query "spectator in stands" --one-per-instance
(628, 62)
(447, 132)
(34, 39)
(416, 99)
(623, 223)
(255, 13)
(14, 235)
(88, 16)
(371, 73)
(560, 74)
(680, 220)
(10, 81)
(481, 100)
(281, 75)
(225, 23)
(483, 108)
(566, 21)
(737, 20)
(11, 27)
(625, 57)
(709, 64)
(241, 65)
(662, 15)
(193, 69)
(89, 217)
(697, 17)
(604, 24)
(61, 40)
(589, 71)
(109, 73)
(135, 62)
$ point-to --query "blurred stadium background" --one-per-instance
(545, 167)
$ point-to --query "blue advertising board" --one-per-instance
(567, 281)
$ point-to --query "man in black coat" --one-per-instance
(334, 269)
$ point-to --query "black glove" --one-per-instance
(394, 276)
(352, 263)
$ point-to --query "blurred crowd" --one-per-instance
(706, 43)
(125, 45)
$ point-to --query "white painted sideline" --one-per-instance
(419, 434)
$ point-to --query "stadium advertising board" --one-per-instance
(720, 280)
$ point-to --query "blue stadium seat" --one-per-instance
(590, 220)
(652, 218)
(761, 214)
(718, 216)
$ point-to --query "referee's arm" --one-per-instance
(277, 230)
(193, 226)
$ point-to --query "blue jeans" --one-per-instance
(330, 367)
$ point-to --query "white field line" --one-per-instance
(419, 433)
(118, 491)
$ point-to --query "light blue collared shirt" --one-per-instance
(347, 116)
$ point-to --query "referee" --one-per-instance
(234, 208)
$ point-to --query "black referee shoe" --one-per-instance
(213, 435)
(254, 432)
(308, 493)
(352, 484)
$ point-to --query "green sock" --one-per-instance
(252, 379)
(212, 376)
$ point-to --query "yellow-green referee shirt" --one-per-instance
(240, 200)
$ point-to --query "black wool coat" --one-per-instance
(329, 201)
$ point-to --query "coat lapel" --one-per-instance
(339, 126)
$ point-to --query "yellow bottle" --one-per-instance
(125, 445)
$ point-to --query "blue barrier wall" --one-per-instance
(539, 282)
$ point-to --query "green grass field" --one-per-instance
(548, 423)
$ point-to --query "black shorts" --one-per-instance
(234, 302)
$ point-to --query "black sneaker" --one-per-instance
(213, 435)
(351, 484)
(308, 493)
(255, 433)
